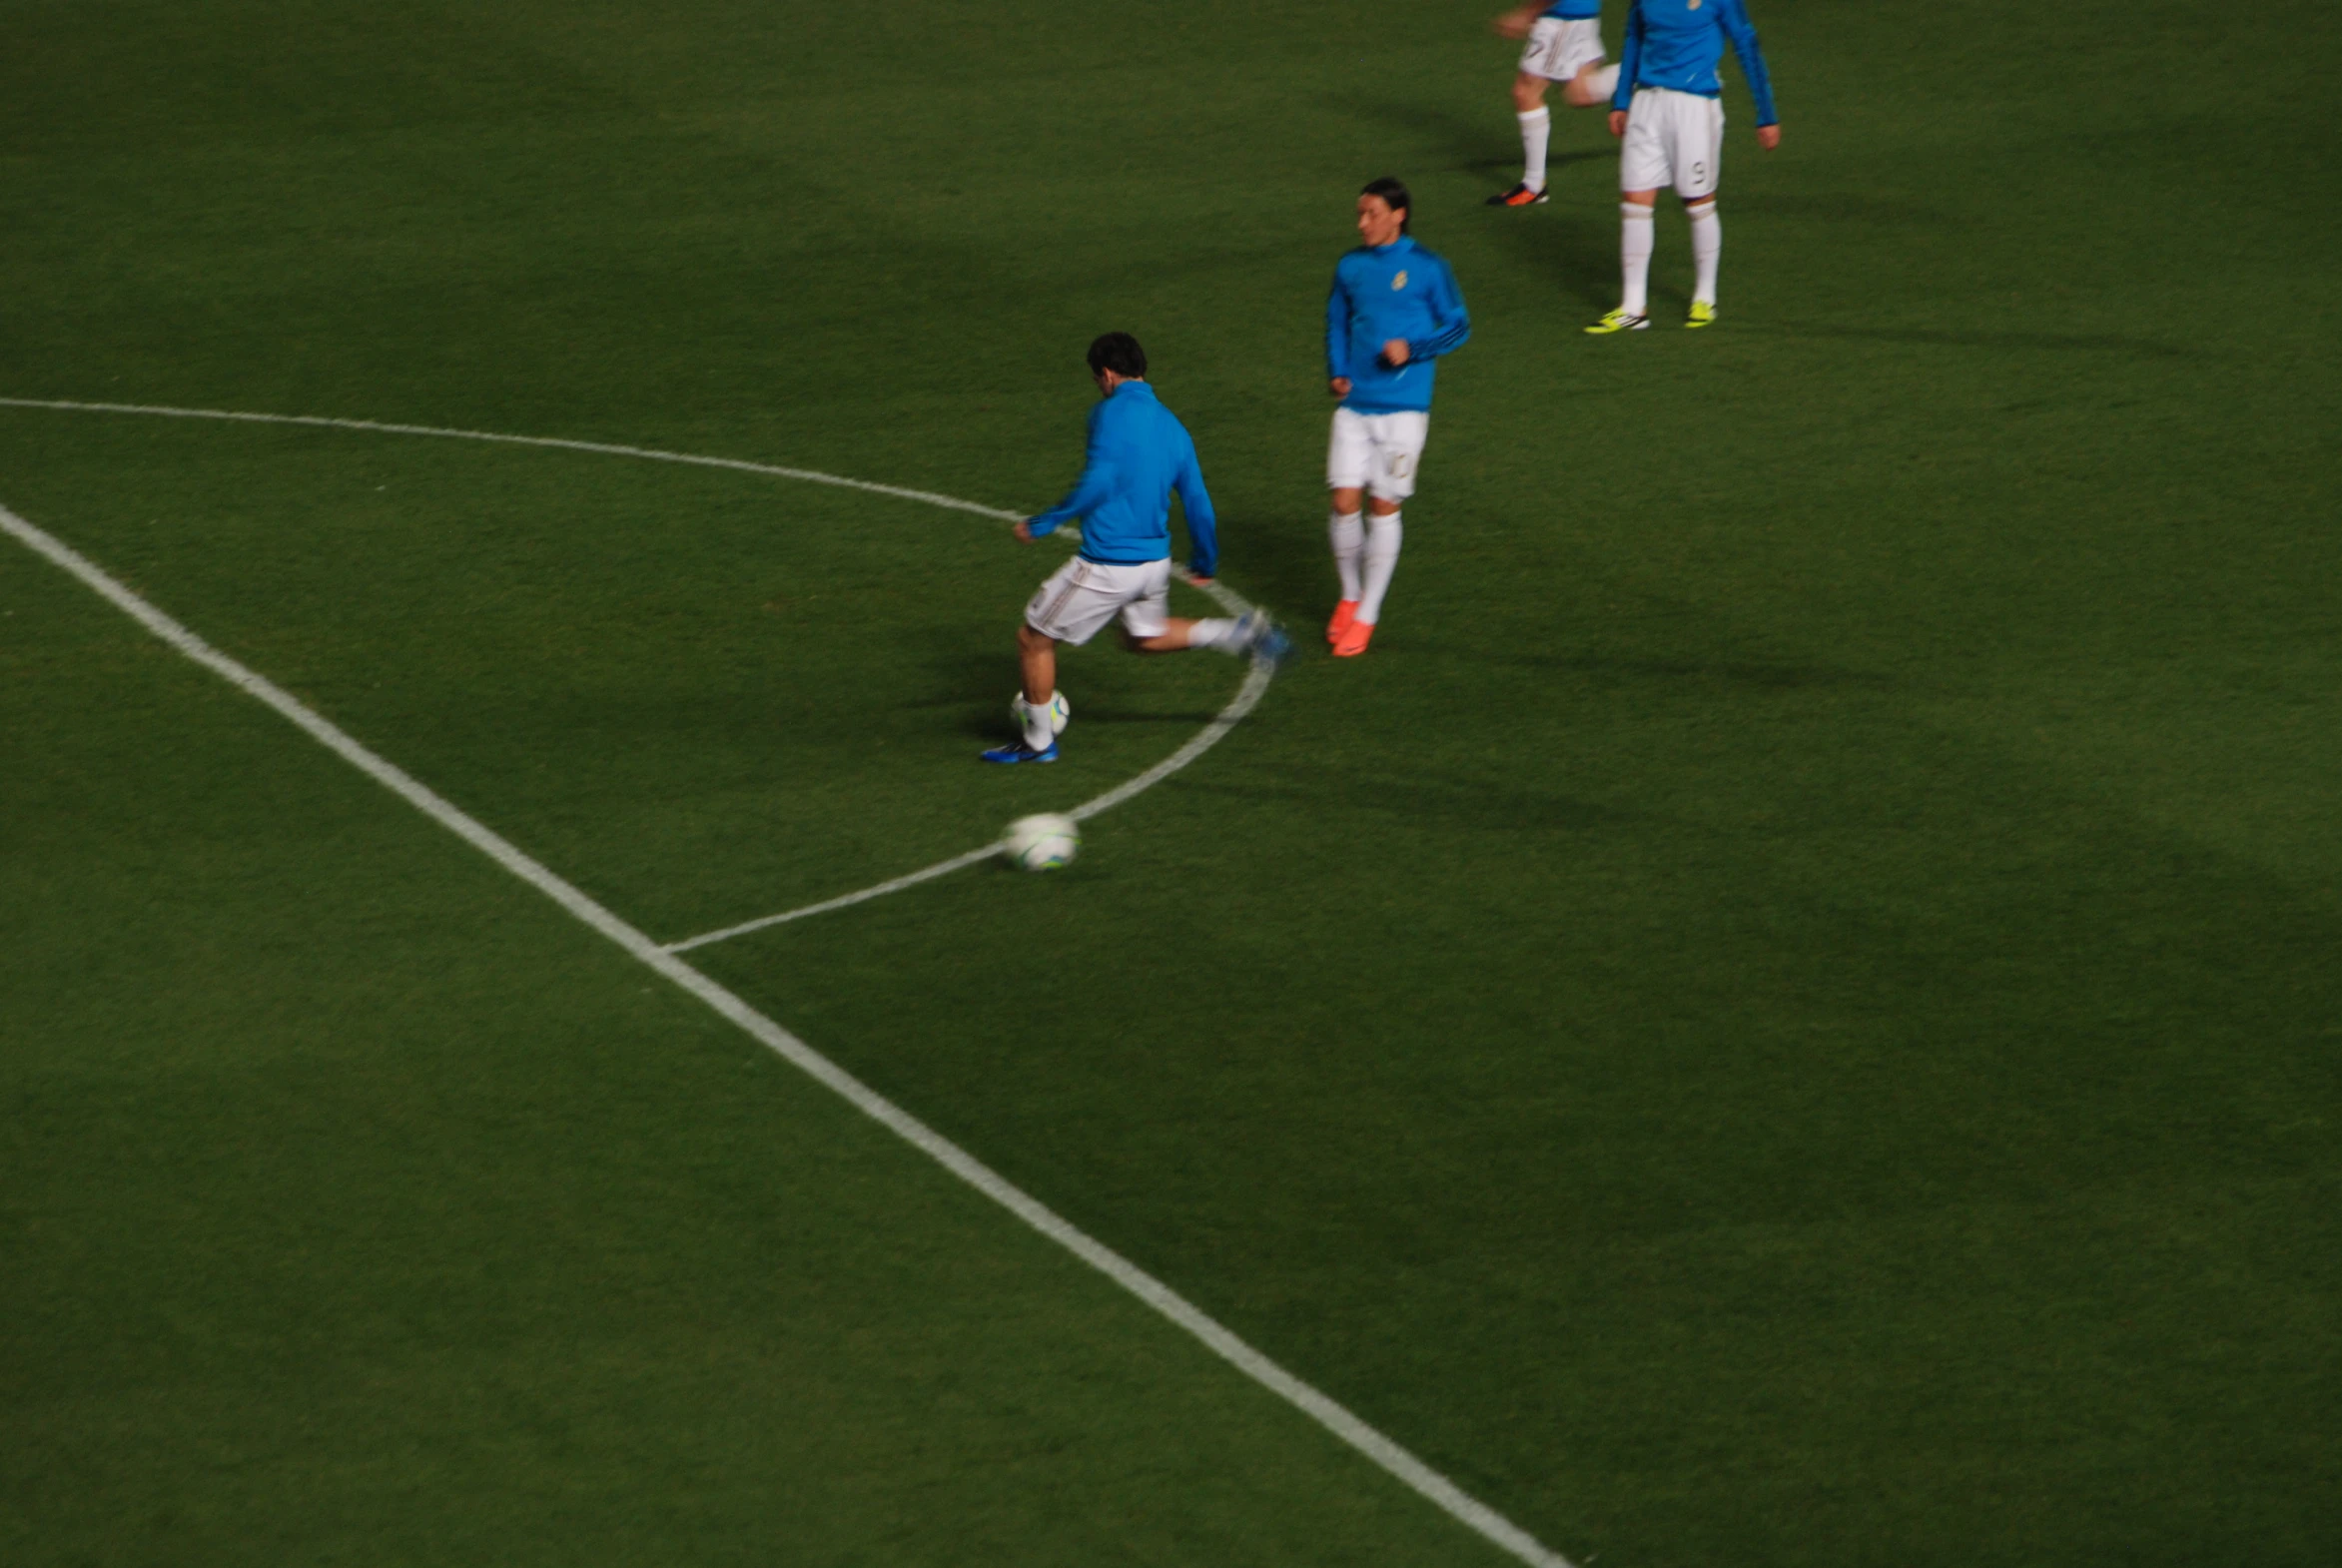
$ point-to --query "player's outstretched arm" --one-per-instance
(1516, 22)
(1089, 491)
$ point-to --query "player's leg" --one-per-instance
(1643, 168)
(1594, 85)
(1700, 152)
(1036, 660)
(1070, 606)
(1348, 455)
(1150, 627)
(1036, 657)
(1398, 452)
(1535, 73)
(1536, 123)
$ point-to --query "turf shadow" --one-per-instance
(1752, 674)
(2099, 342)
(1415, 799)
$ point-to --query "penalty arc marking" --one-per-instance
(1338, 1420)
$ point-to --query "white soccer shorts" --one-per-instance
(1558, 50)
(1080, 596)
(1673, 139)
(1377, 453)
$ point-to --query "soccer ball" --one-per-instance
(1043, 843)
(1060, 711)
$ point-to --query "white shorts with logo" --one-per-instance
(1672, 139)
(1559, 49)
(1377, 453)
(1083, 595)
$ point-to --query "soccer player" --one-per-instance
(1393, 312)
(1669, 110)
(1565, 46)
(1139, 453)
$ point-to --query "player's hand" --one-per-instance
(1339, 386)
(1768, 137)
(1395, 352)
(1203, 582)
(1516, 22)
(1023, 531)
(1618, 121)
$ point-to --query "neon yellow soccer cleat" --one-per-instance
(1703, 314)
(1620, 321)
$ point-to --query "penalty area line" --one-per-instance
(1329, 1414)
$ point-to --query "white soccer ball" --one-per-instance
(1041, 843)
(1060, 711)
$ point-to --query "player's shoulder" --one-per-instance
(1423, 256)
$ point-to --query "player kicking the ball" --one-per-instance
(1393, 312)
(1564, 45)
(1139, 453)
(1669, 110)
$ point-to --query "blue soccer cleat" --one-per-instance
(1262, 637)
(1018, 751)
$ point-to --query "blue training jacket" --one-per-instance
(1679, 43)
(1139, 453)
(1572, 10)
(1397, 291)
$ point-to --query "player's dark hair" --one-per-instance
(1118, 353)
(1393, 192)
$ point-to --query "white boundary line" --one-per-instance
(1335, 1418)
(1410, 1470)
(1246, 697)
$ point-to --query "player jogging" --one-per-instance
(1564, 45)
(1139, 453)
(1393, 312)
(1669, 110)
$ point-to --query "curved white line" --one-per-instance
(606, 449)
(1248, 695)
(1256, 685)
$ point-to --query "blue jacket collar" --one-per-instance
(1134, 386)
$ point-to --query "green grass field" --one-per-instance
(1786, 1013)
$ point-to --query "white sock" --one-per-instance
(1035, 716)
(1604, 82)
(1707, 246)
(1382, 540)
(1635, 239)
(1219, 635)
(1536, 129)
(1349, 536)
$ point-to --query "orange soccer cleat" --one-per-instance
(1343, 613)
(1354, 639)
